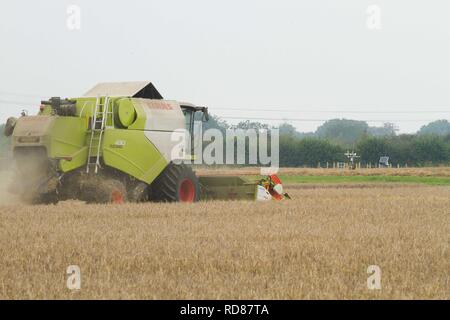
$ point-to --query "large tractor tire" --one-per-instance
(47, 198)
(39, 199)
(138, 192)
(177, 183)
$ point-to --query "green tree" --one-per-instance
(308, 152)
(288, 145)
(247, 124)
(343, 130)
(401, 151)
(431, 150)
(287, 129)
(213, 122)
(439, 127)
(371, 149)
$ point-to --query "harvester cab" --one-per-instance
(114, 144)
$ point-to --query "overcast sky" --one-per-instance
(295, 60)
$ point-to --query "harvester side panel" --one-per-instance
(68, 143)
(131, 152)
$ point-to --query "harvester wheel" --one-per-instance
(138, 192)
(37, 199)
(176, 183)
(48, 198)
(110, 191)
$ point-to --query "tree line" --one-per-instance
(429, 146)
(328, 144)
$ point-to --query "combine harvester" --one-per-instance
(114, 145)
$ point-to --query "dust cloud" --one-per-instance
(6, 178)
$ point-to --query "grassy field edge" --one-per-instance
(444, 181)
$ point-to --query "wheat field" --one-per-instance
(316, 246)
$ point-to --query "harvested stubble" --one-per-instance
(318, 245)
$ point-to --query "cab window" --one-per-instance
(188, 119)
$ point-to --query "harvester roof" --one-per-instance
(138, 89)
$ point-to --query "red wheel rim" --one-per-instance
(187, 191)
(117, 197)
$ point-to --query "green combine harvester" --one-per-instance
(114, 144)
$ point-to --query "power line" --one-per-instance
(29, 104)
(17, 102)
(320, 120)
(24, 95)
(334, 111)
(265, 109)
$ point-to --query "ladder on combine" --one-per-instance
(98, 126)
